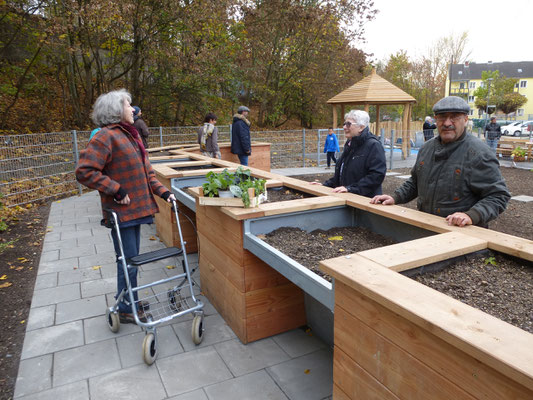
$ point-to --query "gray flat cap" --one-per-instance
(451, 104)
(241, 109)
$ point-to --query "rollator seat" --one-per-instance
(156, 255)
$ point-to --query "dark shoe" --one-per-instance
(143, 305)
(128, 318)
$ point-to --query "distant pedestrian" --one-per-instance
(140, 125)
(493, 132)
(429, 127)
(241, 143)
(208, 137)
(331, 146)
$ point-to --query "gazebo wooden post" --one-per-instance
(404, 130)
(334, 116)
(342, 113)
(367, 107)
(409, 128)
(377, 133)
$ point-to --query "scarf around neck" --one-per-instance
(135, 135)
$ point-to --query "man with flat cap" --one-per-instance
(241, 143)
(456, 175)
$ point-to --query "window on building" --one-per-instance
(523, 83)
(462, 85)
(516, 85)
(520, 112)
(472, 85)
(471, 112)
(471, 99)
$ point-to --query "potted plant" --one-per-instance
(518, 154)
(218, 185)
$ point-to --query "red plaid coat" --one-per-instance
(113, 160)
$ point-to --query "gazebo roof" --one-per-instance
(372, 90)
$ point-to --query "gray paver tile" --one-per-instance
(83, 223)
(106, 247)
(192, 370)
(96, 329)
(49, 256)
(52, 237)
(80, 309)
(139, 382)
(61, 244)
(85, 362)
(297, 342)
(98, 259)
(100, 239)
(130, 346)
(109, 270)
(78, 275)
(78, 251)
(77, 391)
(298, 385)
(242, 359)
(194, 395)
(76, 234)
(52, 339)
(98, 287)
(55, 295)
(35, 375)
(46, 281)
(80, 219)
(216, 330)
(63, 229)
(57, 266)
(41, 317)
(523, 198)
(403, 176)
(257, 385)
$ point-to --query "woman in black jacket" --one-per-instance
(362, 166)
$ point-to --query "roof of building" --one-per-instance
(469, 71)
(372, 90)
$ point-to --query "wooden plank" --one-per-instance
(400, 372)
(268, 300)
(231, 245)
(415, 253)
(455, 365)
(492, 341)
(260, 275)
(280, 320)
(354, 382)
(187, 164)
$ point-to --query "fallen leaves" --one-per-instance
(153, 238)
(5, 285)
(335, 238)
(3, 277)
(97, 267)
(171, 266)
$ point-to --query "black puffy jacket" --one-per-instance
(361, 167)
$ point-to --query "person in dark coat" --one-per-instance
(140, 125)
(116, 164)
(493, 132)
(361, 168)
(428, 128)
(241, 143)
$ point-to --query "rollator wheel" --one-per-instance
(113, 320)
(197, 330)
(149, 349)
(174, 299)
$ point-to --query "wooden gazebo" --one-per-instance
(374, 90)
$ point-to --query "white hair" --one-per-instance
(360, 117)
(109, 107)
(428, 119)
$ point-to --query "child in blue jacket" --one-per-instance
(331, 147)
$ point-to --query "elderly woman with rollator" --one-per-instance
(362, 166)
(116, 164)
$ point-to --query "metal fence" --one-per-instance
(38, 167)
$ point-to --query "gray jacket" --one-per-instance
(462, 176)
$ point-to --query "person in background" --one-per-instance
(493, 132)
(241, 144)
(456, 176)
(94, 132)
(331, 146)
(361, 167)
(208, 137)
(140, 125)
(428, 128)
(116, 164)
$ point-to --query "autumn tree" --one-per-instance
(499, 91)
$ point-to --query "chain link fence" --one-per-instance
(40, 167)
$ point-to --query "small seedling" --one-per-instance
(491, 261)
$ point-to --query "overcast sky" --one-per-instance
(497, 30)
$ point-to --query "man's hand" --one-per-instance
(125, 200)
(171, 198)
(384, 199)
(458, 219)
(315, 183)
(340, 189)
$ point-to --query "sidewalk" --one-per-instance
(70, 353)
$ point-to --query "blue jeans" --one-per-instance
(492, 143)
(243, 158)
(131, 239)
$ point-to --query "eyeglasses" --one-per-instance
(347, 124)
(454, 117)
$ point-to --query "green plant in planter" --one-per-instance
(216, 182)
(238, 183)
(519, 153)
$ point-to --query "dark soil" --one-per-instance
(497, 285)
(284, 193)
(517, 220)
(20, 251)
(310, 248)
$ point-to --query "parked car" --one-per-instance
(521, 130)
(506, 129)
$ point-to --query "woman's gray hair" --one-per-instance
(428, 118)
(360, 117)
(109, 107)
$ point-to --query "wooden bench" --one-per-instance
(507, 145)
